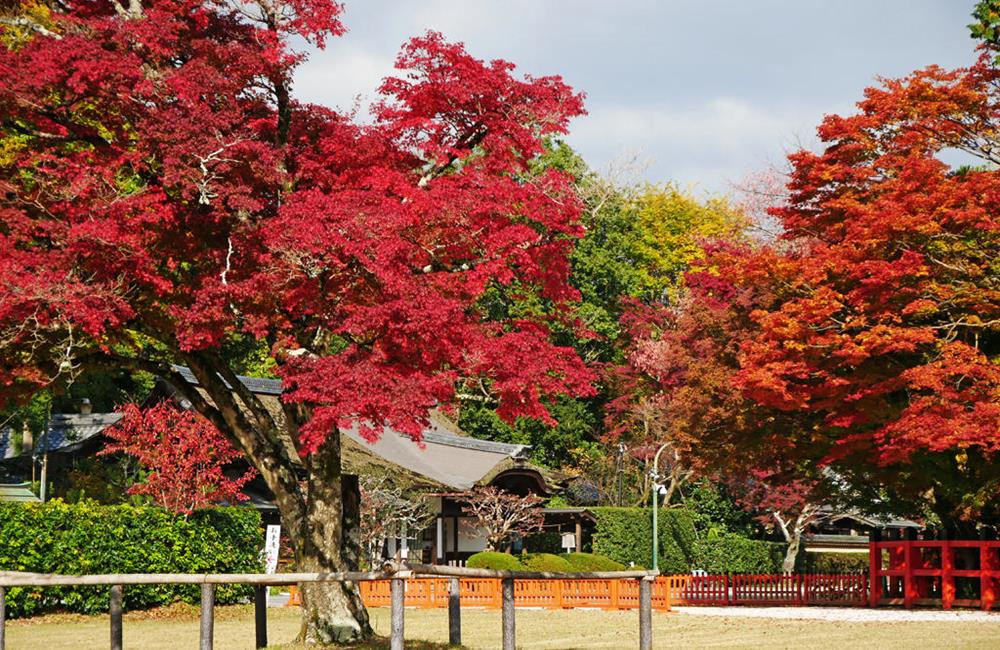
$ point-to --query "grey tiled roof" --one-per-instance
(65, 430)
(258, 385)
(464, 442)
(875, 521)
(432, 434)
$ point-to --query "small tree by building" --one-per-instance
(501, 515)
(789, 506)
(388, 511)
(182, 456)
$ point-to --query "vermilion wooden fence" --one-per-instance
(720, 590)
(770, 590)
(936, 573)
(547, 594)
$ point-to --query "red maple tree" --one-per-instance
(182, 454)
(787, 503)
(162, 193)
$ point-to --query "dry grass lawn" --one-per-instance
(176, 628)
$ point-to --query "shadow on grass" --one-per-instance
(378, 643)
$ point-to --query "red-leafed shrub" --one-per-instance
(183, 455)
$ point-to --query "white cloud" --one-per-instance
(339, 75)
(711, 144)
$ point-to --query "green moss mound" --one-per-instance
(588, 562)
(547, 562)
(495, 561)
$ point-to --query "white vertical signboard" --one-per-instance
(271, 548)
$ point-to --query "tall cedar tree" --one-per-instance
(162, 193)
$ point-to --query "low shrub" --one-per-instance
(731, 553)
(546, 562)
(494, 560)
(86, 538)
(586, 562)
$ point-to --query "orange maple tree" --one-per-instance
(865, 339)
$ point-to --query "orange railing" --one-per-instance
(429, 593)
(720, 590)
(546, 594)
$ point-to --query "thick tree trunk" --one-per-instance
(315, 513)
(331, 612)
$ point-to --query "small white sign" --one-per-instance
(569, 541)
(271, 544)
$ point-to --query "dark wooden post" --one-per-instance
(207, 615)
(508, 614)
(645, 614)
(874, 568)
(115, 609)
(454, 612)
(910, 556)
(397, 587)
(260, 615)
(3, 618)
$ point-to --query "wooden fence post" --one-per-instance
(260, 615)
(507, 586)
(398, 594)
(947, 577)
(454, 612)
(645, 614)
(207, 615)
(3, 618)
(874, 569)
(115, 609)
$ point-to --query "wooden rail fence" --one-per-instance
(630, 587)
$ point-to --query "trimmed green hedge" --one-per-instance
(586, 562)
(565, 563)
(545, 542)
(832, 562)
(545, 562)
(89, 538)
(735, 554)
(625, 535)
(495, 561)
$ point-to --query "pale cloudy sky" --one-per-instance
(708, 90)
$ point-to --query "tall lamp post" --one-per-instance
(654, 474)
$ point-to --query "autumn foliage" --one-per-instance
(153, 182)
(182, 457)
(866, 338)
(164, 195)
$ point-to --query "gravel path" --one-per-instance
(854, 614)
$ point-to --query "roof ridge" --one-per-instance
(468, 442)
(258, 385)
